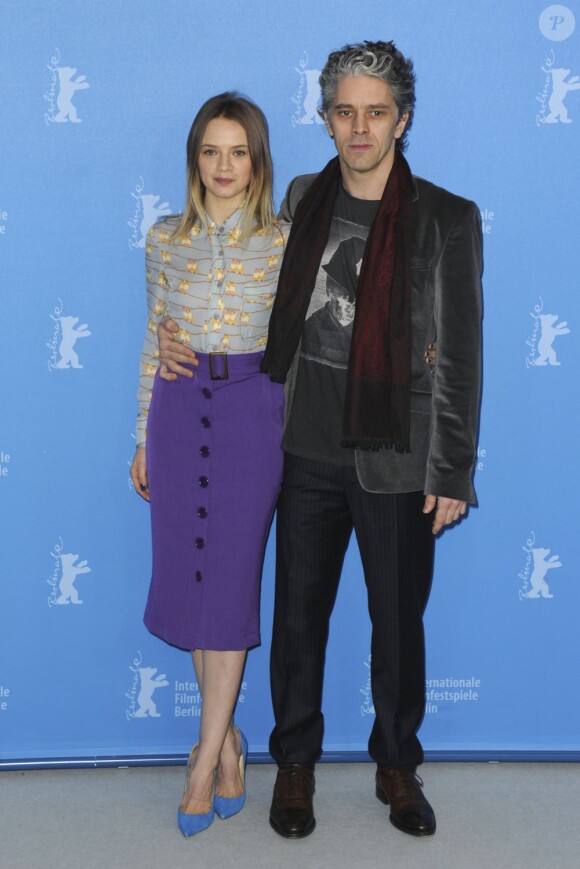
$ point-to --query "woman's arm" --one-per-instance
(156, 308)
(139, 473)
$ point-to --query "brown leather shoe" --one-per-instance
(291, 813)
(410, 810)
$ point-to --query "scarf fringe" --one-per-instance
(275, 376)
(374, 444)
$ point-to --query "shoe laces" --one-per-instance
(296, 780)
(407, 783)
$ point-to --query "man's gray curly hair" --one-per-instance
(379, 59)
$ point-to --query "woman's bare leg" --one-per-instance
(219, 675)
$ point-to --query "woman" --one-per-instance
(209, 456)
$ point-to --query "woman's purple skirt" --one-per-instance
(214, 465)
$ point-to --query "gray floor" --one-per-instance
(490, 816)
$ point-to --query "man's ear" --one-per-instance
(327, 125)
(402, 123)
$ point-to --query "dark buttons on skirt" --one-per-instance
(203, 482)
(206, 422)
(202, 512)
(199, 542)
(198, 575)
(206, 392)
(204, 451)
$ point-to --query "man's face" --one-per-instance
(364, 124)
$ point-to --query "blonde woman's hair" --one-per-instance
(258, 213)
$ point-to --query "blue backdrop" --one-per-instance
(97, 102)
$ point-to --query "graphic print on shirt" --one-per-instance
(329, 322)
(316, 420)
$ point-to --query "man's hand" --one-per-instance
(172, 354)
(449, 510)
(139, 474)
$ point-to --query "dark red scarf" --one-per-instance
(377, 403)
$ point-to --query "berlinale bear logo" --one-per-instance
(70, 570)
(542, 564)
(306, 97)
(70, 333)
(144, 682)
(65, 334)
(541, 341)
(550, 330)
(149, 683)
(147, 210)
(561, 84)
(535, 570)
(66, 569)
(68, 86)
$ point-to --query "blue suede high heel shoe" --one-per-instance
(225, 807)
(190, 824)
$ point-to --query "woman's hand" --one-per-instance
(139, 474)
(430, 356)
(172, 354)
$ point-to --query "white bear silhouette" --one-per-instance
(560, 88)
(68, 356)
(546, 353)
(310, 115)
(539, 586)
(70, 571)
(149, 682)
(151, 213)
(68, 86)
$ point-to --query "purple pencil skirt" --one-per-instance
(214, 464)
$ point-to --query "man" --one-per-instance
(372, 441)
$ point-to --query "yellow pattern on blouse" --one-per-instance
(218, 289)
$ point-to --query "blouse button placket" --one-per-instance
(216, 285)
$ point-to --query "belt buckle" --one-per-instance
(224, 367)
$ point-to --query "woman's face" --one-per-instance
(224, 164)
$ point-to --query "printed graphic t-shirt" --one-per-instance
(314, 429)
